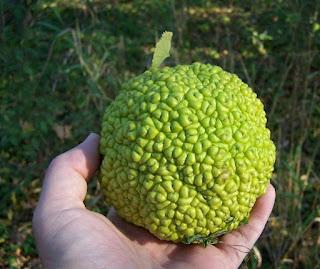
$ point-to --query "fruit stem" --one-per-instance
(162, 49)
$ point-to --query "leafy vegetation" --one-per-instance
(62, 62)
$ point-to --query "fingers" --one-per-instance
(236, 244)
(65, 180)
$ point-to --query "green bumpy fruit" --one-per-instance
(186, 152)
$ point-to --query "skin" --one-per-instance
(70, 236)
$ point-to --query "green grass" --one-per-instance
(61, 62)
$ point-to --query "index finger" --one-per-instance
(246, 236)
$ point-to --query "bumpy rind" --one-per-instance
(186, 152)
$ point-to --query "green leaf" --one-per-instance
(162, 50)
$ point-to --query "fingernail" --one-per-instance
(91, 136)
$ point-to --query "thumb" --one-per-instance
(65, 182)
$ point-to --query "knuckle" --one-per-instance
(58, 161)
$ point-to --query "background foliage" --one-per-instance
(61, 62)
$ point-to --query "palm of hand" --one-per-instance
(84, 239)
(70, 236)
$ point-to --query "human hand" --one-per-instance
(70, 236)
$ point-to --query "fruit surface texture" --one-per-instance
(186, 152)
